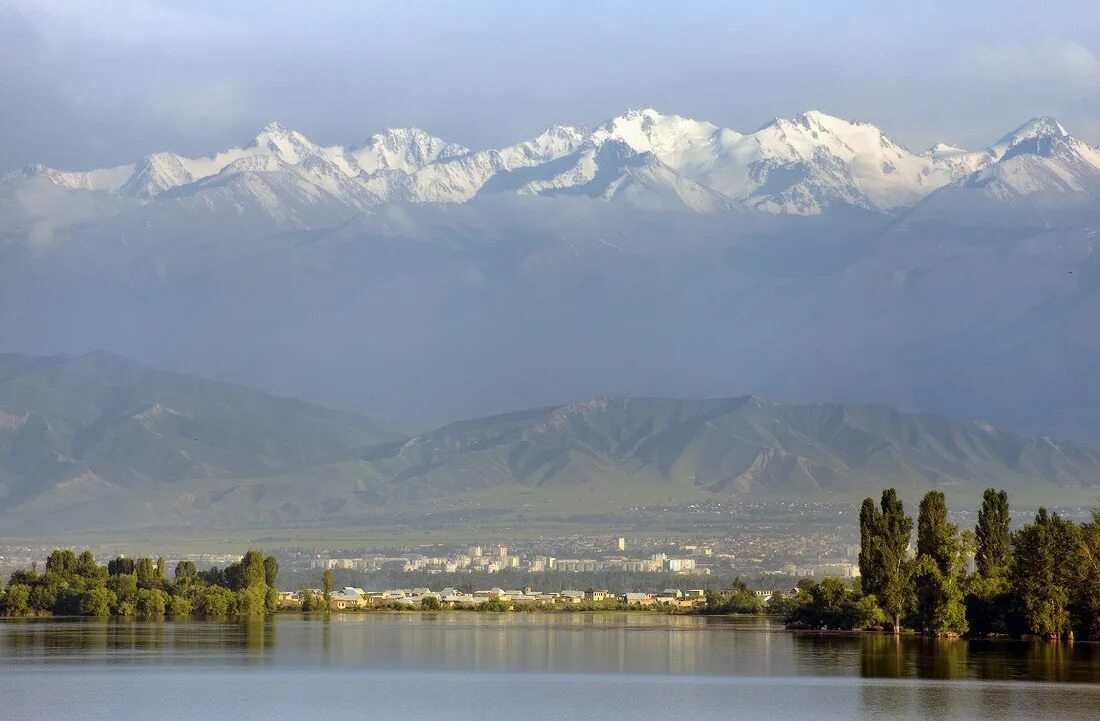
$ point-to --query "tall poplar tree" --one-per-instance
(326, 587)
(993, 555)
(271, 571)
(884, 569)
(938, 569)
(870, 524)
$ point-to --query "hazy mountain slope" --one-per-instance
(83, 445)
(740, 446)
(94, 427)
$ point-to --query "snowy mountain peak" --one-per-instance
(274, 128)
(819, 119)
(289, 146)
(649, 131)
(155, 174)
(404, 149)
(1040, 127)
(944, 150)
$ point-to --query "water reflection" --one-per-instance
(626, 644)
(951, 659)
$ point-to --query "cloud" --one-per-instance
(1051, 76)
(122, 22)
(221, 103)
(1050, 66)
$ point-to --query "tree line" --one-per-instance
(1042, 579)
(75, 585)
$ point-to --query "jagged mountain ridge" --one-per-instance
(99, 441)
(804, 165)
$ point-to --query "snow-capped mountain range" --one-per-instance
(806, 165)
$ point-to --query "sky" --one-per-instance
(85, 83)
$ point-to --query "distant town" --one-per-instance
(352, 598)
(685, 560)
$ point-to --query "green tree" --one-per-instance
(86, 567)
(884, 569)
(179, 606)
(17, 600)
(186, 572)
(44, 595)
(124, 586)
(1086, 600)
(162, 571)
(989, 602)
(97, 602)
(494, 605)
(430, 603)
(62, 562)
(832, 604)
(121, 566)
(939, 568)
(326, 586)
(271, 570)
(215, 601)
(993, 555)
(736, 598)
(870, 565)
(271, 600)
(309, 600)
(1036, 578)
(146, 573)
(253, 570)
(250, 601)
(150, 602)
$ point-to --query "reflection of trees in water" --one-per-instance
(258, 637)
(54, 638)
(1048, 660)
(888, 656)
(941, 658)
(882, 656)
(831, 654)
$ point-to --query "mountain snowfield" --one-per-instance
(807, 165)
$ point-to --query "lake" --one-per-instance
(526, 666)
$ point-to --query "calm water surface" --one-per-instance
(515, 666)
